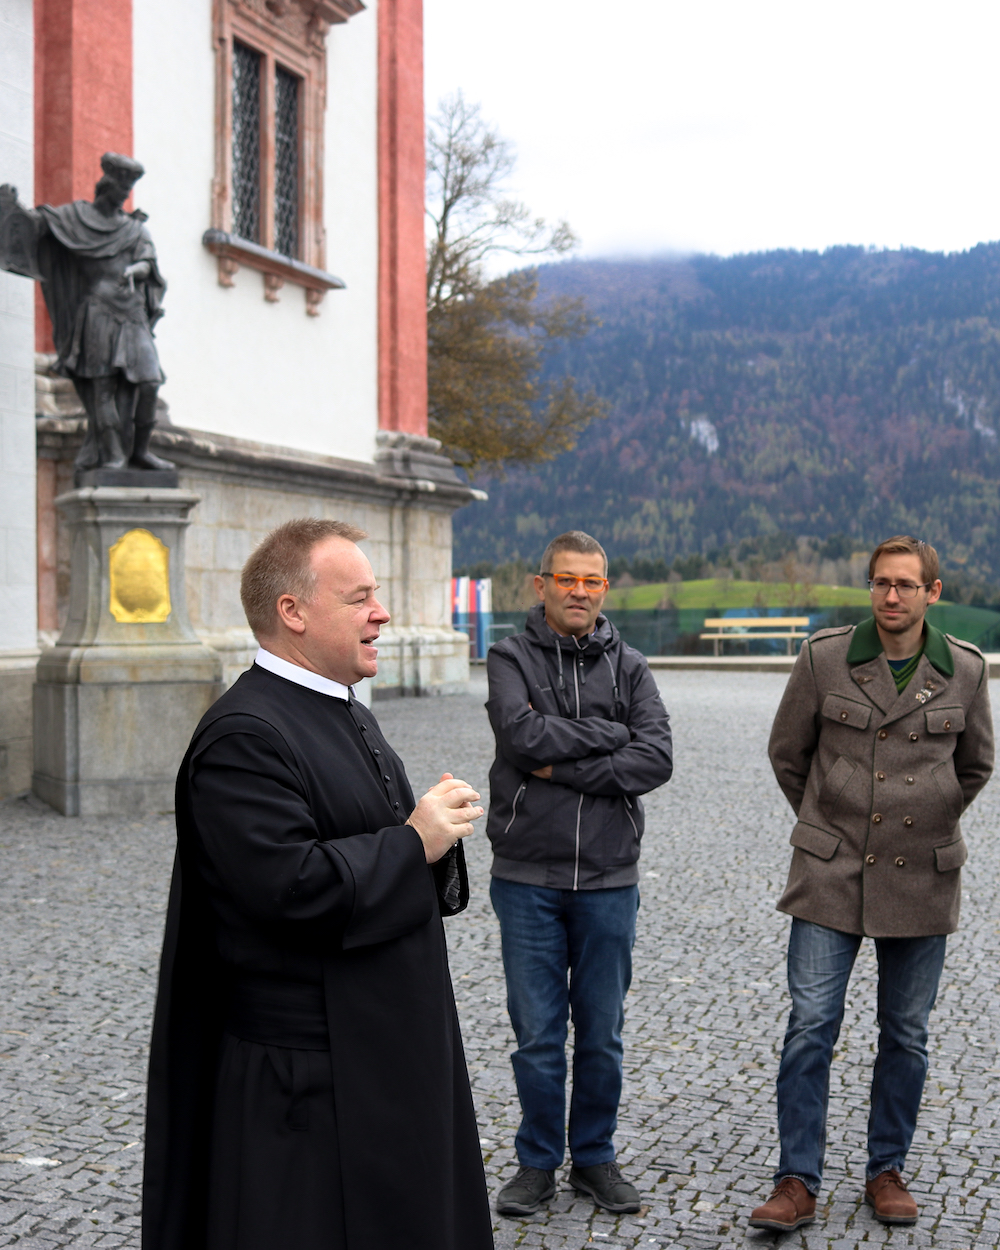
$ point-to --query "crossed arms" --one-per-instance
(590, 754)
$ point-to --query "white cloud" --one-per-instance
(725, 125)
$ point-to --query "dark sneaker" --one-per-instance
(606, 1185)
(789, 1207)
(526, 1192)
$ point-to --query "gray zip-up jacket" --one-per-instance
(591, 709)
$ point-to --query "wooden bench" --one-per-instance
(749, 628)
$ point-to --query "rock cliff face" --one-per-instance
(851, 392)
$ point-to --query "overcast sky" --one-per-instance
(737, 125)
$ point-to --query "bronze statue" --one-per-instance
(97, 266)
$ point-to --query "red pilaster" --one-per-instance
(83, 102)
(402, 321)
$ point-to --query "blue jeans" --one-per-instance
(563, 951)
(819, 966)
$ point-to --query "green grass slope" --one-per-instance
(723, 593)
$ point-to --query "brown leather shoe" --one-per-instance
(889, 1198)
(790, 1206)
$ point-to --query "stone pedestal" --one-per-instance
(116, 699)
(144, 479)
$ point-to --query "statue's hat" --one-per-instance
(122, 169)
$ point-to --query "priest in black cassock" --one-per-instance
(307, 1086)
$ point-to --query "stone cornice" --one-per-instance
(235, 251)
(268, 466)
(333, 11)
(281, 12)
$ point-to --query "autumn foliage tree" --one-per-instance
(488, 337)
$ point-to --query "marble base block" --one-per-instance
(118, 696)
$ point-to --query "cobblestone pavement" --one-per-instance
(81, 907)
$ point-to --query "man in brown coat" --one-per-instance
(883, 738)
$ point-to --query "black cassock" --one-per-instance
(307, 1085)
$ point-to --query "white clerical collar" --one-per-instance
(301, 676)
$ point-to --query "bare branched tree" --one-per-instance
(488, 337)
(472, 219)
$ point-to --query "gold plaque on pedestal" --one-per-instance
(140, 578)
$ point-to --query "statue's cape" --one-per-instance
(79, 230)
(84, 229)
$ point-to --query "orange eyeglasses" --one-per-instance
(570, 581)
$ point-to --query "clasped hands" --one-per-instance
(444, 815)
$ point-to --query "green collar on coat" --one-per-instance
(867, 645)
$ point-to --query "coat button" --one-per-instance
(900, 861)
(386, 777)
(396, 806)
(882, 733)
(909, 781)
(869, 859)
(376, 751)
(880, 776)
(877, 819)
(947, 724)
(843, 716)
(914, 737)
(907, 821)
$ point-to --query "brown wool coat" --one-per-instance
(878, 781)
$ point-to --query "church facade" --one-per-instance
(283, 148)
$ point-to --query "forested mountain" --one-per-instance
(849, 392)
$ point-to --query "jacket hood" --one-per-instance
(604, 637)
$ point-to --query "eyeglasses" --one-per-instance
(906, 590)
(570, 581)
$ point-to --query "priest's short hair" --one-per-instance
(281, 566)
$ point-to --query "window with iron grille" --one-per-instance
(246, 142)
(270, 101)
(286, 162)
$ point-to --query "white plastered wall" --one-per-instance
(236, 364)
(18, 619)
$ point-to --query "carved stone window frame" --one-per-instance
(290, 33)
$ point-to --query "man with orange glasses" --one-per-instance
(883, 738)
(581, 732)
